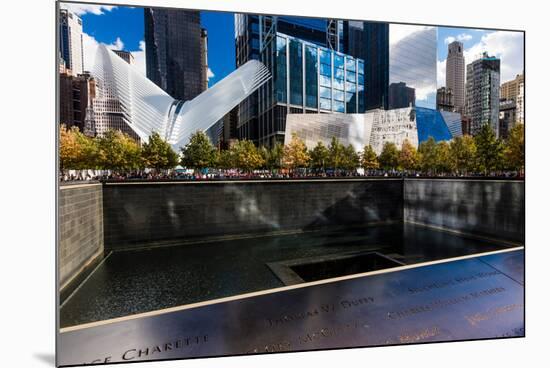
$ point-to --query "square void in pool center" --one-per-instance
(297, 271)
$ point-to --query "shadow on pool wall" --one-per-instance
(138, 215)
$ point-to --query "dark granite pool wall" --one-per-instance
(139, 214)
(492, 208)
(80, 228)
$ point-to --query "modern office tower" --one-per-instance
(507, 116)
(482, 93)
(308, 78)
(401, 96)
(247, 47)
(76, 94)
(413, 61)
(252, 34)
(454, 78)
(174, 51)
(513, 90)
(445, 99)
(70, 41)
(377, 61)
(125, 55)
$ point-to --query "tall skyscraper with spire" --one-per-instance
(455, 74)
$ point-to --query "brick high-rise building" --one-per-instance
(455, 74)
(76, 94)
(513, 90)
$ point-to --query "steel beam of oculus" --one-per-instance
(147, 108)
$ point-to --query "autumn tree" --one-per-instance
(158, 154)
(273, 157)
(514, 151)
(408, 156)
(295, 153)
(489, 150)
(69, 150)
(118, 151)
(319, 156)
(226, 159)
(389, 157)
(76, 150)
(246, 156)
(369, 160)
(462, 154)
(443, 161)
(428, 155)
(199, 153)
(351, 160)
(335, 154)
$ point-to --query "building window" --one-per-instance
(280, 82)
(295, 66)
(325, 103)
(311, 76)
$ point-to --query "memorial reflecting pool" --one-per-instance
(137, 281)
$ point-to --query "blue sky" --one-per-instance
(122, 27)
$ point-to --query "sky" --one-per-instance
(122, 28)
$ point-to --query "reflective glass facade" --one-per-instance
(247, 47)
(430, 123)
(412, 62)
(308, 78)
(174, 51)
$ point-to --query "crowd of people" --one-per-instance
(103, 176)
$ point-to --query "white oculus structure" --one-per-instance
(146, 108)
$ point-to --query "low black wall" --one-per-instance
(493, 208)
(138, 214)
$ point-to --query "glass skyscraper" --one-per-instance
(307, 78)
(175, 51)
(377, 63)
(310, 74)
(413, 63)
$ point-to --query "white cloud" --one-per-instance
(441, 73)
(506, 45)
(80, 9)
(464, 37)
(209, 74)
(117, 45)
(461, 37)
(139, 58)
(449, 39)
